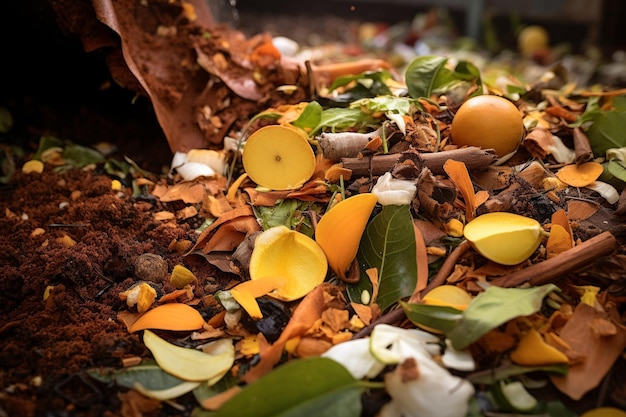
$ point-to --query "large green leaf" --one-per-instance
(388, 244)
(300, 388)
(310, 116)
(422, 73)
(607, 131)
(493, 307)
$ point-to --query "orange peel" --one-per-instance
(172, 316)
(285, 264)
(279, 157)
(580, 175)
(532, 350)
(339, 231)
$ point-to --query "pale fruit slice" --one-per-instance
(513, 397)
(504, 238)
(448, 296)
(191, 364)
(278, 157)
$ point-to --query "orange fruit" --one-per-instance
(489, 122)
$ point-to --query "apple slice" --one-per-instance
(504, 238)
(191, 364)
(278, 157)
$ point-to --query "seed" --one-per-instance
(150, 267)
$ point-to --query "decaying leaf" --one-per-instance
(457, 171)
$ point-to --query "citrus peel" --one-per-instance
(291, 255)
(532, 350)
(171, 316)
(580, 175)
(339, 231)
(504, 238)
(449, 296)
(278, 157)
(247, 292)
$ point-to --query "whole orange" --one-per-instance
(488, 121)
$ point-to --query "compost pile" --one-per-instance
(331, 237)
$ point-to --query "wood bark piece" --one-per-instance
(582, 147)
(558, 267)
(475, 159)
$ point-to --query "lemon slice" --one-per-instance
(278, 157)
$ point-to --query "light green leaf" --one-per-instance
(401, 105)
(493, 307)
(310, 116)
(80, 156)
(300, 388)
(438, 317)
(490, 376)
(149, 375)
(373, 82)
(607, 131)
(339, 119)
(388, 244)
(422, 73)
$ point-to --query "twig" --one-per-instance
(475, 159)
(447, 267)
(558, 267)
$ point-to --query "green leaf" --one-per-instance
(300, 388)
(339, 119)
(438, 317)
(607, 131)
(489, 376)
(401, 105)
(310, 116)
(46, 142)
(388, 244)
(372, 81)
(6, 120)
(148, 374)
(421, 74)
(79, 156)
(287, 212)
(493, 307)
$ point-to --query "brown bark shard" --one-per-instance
(475, 159)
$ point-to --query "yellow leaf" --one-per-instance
(532, 350)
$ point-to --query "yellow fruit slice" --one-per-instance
(172, 316)
(340, 229)
(532, 350)
(449, 296)
(580, 175)
(488, 121)
(191, 364)
(282, 252)
(505, 238)
(278, 157)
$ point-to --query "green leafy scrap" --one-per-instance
(148, 374)
(339, 119)
(442, 318)
(299, 388)
(388, 244)
(287, 212)
(428, 74)
(494, 307)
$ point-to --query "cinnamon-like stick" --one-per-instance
(582, 147)
(558, 267)
(475, 159)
